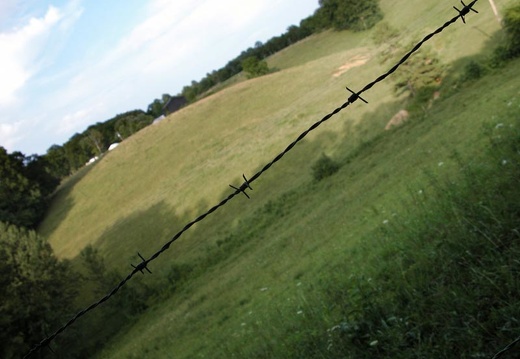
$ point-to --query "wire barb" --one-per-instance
(142, 265)
(466, 9)
(243, 187)
(355, 96)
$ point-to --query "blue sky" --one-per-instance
(66, 64)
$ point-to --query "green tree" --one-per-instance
(76, 153)
(57, 163)
(422, 71)
(36, 290)
(38, 170)
(357, 15)
(129, 123)
(155, 109)
(94, 141)
(254, 67)
(21, 200)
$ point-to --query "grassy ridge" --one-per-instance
(270, 273)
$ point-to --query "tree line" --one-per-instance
(356, 15)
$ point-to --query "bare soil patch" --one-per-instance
(356, 61)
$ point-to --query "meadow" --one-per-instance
(409, 249)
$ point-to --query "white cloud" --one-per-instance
(9, 134)
(173, 43)
(173, 31)
(168, 38)
(74, 121)
(20, 50)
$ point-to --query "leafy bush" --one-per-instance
(511, 48)
(357, 15)
(384, 33)
(255, 67)
(420, 71)
(324, 167)
(473, 71)
(512, 27)
(177, 275)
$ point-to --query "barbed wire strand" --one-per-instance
(506, 349)
(247, 183)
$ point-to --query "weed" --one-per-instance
(324, 167)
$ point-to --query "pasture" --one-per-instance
(303, 268)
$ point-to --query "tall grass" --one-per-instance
(326, 268)
(443, 280)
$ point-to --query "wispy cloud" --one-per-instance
(64, 75)
(20, 50)
(149, 57)
(10, 133)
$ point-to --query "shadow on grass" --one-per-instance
(61, 196)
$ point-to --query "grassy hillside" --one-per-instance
(268, 272)
(234, 132)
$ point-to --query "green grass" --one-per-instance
(269, 276)
(279, 288)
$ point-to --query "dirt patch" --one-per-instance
(356, 61)
(398, 119)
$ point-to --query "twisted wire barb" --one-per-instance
(246, 185)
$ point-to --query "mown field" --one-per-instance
(408, 250)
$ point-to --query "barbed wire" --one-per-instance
(466, 9)
(506, 349)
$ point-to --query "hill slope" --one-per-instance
(275, 249)
(236, 131)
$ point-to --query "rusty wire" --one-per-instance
(247, 182)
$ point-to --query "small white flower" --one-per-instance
(504, 162)
(420, 191)
(336, 327)
(385, 221)
(440, 164)
(374, 343)
(263, 289)
(243, 324)
(298, 284)
(499, 125)
(299, 312)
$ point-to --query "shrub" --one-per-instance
(178, 274)
(512, 27)
(324, 167)
(473, 71)
(255, 67)
(356, 15)
(511, 48)
(384, 33)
